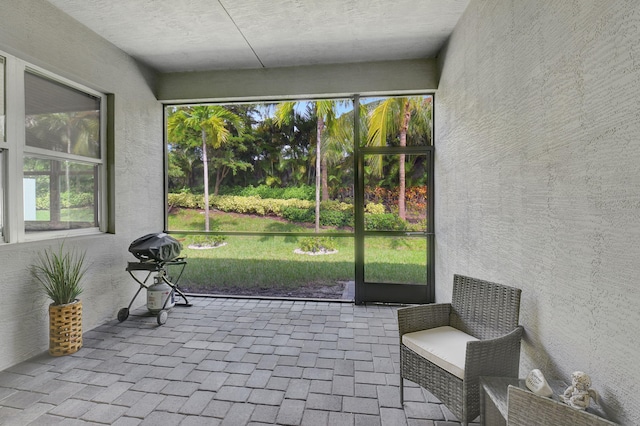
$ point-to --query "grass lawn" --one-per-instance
(82, 214)
(258, 264)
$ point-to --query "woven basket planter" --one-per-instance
(65, 328)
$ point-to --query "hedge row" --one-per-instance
(303, 192)
(237, 204)
(253, 204)
(332, 213)
(327, 217)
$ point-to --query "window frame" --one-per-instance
(15, 149)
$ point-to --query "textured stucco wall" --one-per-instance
(35, 31)
(538, 179)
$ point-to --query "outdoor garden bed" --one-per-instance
(306, 291)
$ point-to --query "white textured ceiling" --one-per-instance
(197, 35)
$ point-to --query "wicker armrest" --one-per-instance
(498, 357)
(423, 317)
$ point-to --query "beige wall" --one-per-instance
(36, 32)
(538, 179)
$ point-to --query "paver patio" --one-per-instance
(226, 361)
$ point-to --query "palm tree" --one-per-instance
(325, 112)
(338, 144)
(210, 123)
(74, 133)
(394, 116)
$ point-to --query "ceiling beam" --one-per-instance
(369, 78)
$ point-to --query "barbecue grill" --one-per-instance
(155, 254)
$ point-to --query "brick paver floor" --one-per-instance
(227, 361)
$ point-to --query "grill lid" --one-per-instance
(159, 247)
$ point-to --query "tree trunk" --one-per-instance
(216, 186)
(402, 211)
(205, 165)
(221, 173)
(191, 179)
(325, 179)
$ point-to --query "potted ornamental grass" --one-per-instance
(60, 273)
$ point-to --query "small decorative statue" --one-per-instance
(579, 394)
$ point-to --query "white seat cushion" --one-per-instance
(445, 347)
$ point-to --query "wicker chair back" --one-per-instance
(484, 309)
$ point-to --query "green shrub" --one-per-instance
(384, 222)
(255, 204)
(42, 203)
(332, 218)
(237, 204)
(302, 204)
(316, 244)
(68, 200)
(244, 205)
(295, 214)
(335, 206)
(420, 226)
(336, 213)
(76, 199)
(327, 217)
(348, 219)
(206, 240)
(303, 192)
(374, 208)
(332, 213)
(185, 200)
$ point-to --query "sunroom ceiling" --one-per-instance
(198, 35)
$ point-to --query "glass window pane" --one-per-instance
(59, 195)
(2, 100)
(60, 118)
(398, 121)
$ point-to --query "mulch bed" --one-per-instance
(312, 291)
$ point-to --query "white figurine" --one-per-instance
(579, 394)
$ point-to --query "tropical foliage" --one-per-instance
(398, 117)
(297, 150)
(207, 126)
(325, 113)
(317, 244)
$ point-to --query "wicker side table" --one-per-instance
(493, 400)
